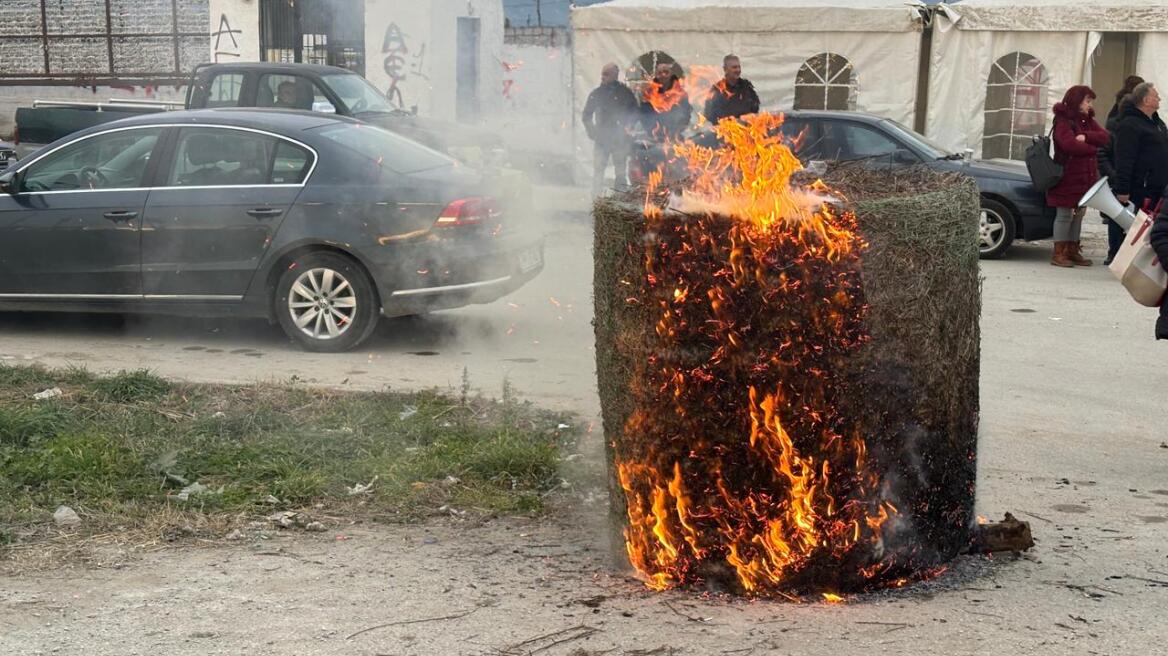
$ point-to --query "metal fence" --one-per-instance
(102, 41)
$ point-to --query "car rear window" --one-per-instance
(384, 148)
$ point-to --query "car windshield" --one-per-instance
(357, 94)
(932, 149)
(385, 149)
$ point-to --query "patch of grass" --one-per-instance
(130, 387)
(119, 449)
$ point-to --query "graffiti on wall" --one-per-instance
(400, 62)
(222, 49)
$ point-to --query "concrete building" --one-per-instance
(439, 56)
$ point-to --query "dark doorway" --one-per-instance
(466, 100)
(330, 32)
(1114, 60)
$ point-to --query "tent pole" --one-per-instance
(920, 111)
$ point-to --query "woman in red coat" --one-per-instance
(1077, 140)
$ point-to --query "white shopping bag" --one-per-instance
(1137, 266)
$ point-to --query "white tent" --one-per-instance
(997, 67)
(861, 54)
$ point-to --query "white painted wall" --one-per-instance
(536, 113)
(235, 30)
(410, 52)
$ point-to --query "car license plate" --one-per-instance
(530, 259)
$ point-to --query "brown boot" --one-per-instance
(1060, 257)
(1075, 253)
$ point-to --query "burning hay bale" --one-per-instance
(788, 387)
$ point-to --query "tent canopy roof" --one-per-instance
(748, 16)
(1059, 15)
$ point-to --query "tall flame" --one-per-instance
(735, 453)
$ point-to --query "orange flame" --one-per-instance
(813, 496)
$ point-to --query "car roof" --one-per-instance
(275, 67)
(285, 120)
(862, 117)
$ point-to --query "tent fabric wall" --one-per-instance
(772, 49)
(1062, 16)
(960, 66)
(1152, 57)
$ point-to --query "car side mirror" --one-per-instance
(8, 182)
(324, 108)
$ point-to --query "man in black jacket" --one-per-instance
(609, 114)
(733, 95)
(1141, 151)
(665, 111)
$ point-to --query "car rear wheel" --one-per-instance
(996, 227)
(326, 302)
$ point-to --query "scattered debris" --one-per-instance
(409, 411)
(361, 488)
(546, 641)
(271, 499)
(292, 519)
(424, 619)
(66, 516)
(235, 534)
(452, 480)
(51, 392)
(195, 489)
(1007, 535)
(315, 527)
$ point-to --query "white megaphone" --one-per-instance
(1135, 264)
(1099, 197)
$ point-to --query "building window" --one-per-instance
(1015, 105)
(329, 32)
(826, 81)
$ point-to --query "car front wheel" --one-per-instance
(995, 229)
(326, 302)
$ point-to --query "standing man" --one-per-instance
(666, 111)
(609, 114)
(1141, 151)
(731, 96)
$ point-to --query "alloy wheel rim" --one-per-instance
(991, 230)
(322, 303)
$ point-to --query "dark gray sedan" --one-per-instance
(319, 222)
(1010, 206)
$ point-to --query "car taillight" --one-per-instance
(469, 211)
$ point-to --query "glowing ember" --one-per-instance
(752, 475)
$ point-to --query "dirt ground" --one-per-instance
(1073, 440)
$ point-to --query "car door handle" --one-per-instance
(265, 212)
(120, 215)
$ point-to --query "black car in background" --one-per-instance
(321, 223)
(1010, 206)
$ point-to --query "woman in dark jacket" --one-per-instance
(1077, 140)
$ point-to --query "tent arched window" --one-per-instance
(826, 81)
(1015, 105)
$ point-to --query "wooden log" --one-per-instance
(1009, 534)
